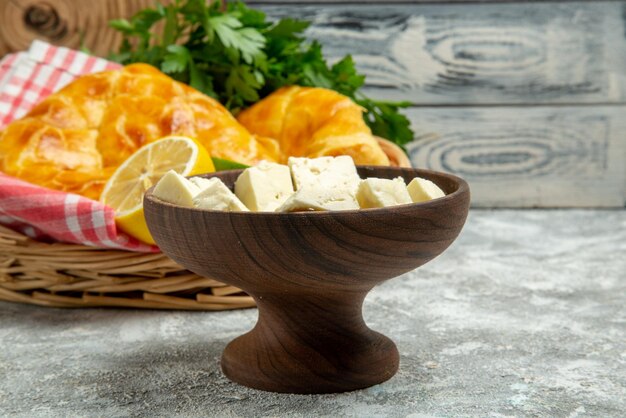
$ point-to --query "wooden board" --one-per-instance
(64, 22)
(478, 53)
(474, 69)
(527, 156)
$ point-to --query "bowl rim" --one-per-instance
(463, 187)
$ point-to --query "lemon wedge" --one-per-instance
(124, 190)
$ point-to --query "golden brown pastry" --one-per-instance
(74, 139)
(313, 122)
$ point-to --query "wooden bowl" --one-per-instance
(309, 273)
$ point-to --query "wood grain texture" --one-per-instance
(309, 273)
(478, 53)
(527, 156)
(64, 22)
(454, 54)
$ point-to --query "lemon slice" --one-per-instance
(124, 190)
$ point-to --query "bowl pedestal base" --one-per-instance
(312, 343)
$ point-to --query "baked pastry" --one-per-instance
(313, 122)
(75, 139)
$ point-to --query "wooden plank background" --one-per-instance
(539, 156)
(526, 100)
(487, 53)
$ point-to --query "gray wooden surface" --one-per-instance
(524, 100)
(527, 156)
(523, 316)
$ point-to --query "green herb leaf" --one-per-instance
(177, 59)
(200, 80)
(122, 25)
(248, 41)
(347, 80)
(222, 164)
(143, 20)
(243, 82)
(250, 17)
(386, 121)
(288, 28)
(170, 32)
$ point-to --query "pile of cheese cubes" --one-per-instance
(317, 184)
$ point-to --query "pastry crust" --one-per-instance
(313, 122)
(75, 139)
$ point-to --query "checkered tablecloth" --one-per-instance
(41, 213)
(27, 77)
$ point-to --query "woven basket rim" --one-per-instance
(78, 276)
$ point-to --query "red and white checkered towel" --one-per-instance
(28, 77)
(41, 213)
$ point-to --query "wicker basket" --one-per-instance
(77, 276)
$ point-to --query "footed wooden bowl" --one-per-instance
(309, 273)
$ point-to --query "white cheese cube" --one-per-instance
(265, 187)
(176, 189)
(380, 193)
(422, 190)
(216, 196)
(201, 182)
(319, 199)
(324, 172)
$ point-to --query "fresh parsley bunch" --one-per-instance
(235, 55)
